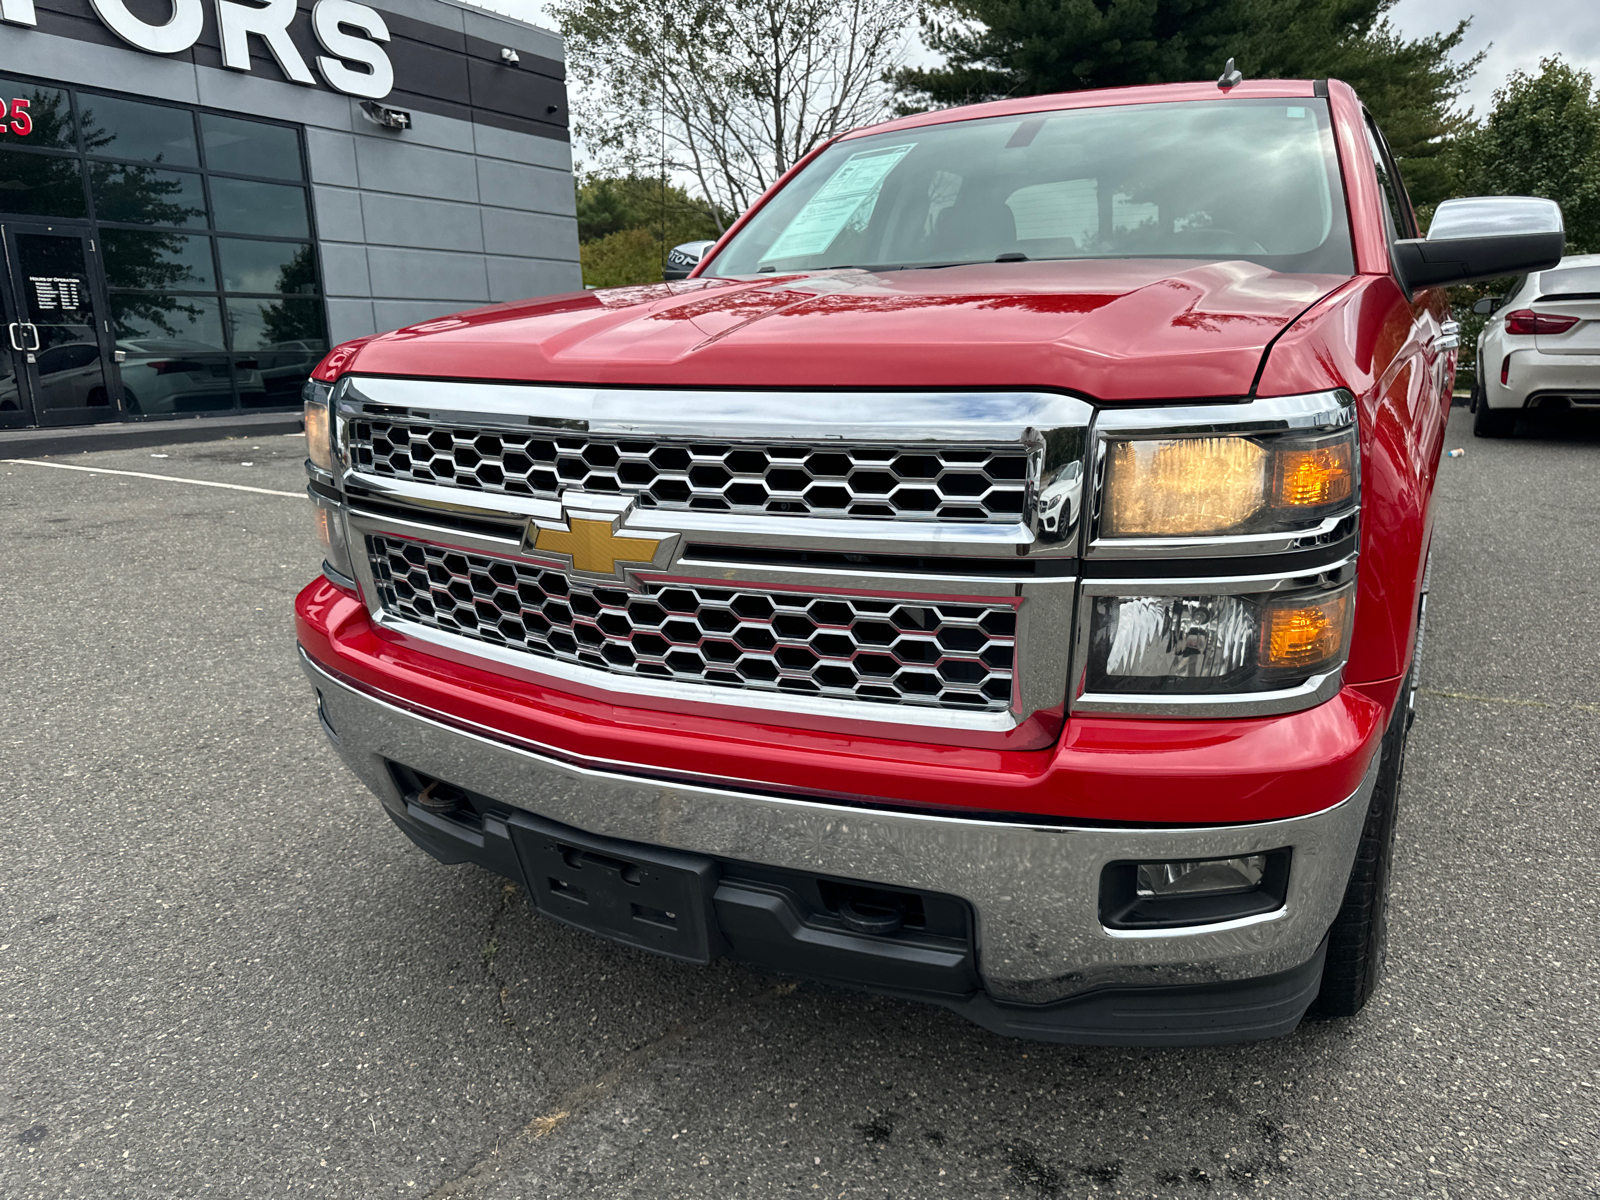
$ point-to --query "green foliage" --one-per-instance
(997, 48)
(627, 223)
(624, 258)
(608, 204)
(1542, 138)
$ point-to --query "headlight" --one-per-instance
(1213, 486)
(327, 512)
(319, 425)
(1198, 645)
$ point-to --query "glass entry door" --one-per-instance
(56, 337)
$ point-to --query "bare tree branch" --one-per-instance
(728, 93)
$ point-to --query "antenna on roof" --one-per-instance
(1230, 76)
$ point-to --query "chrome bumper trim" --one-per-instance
(1034, 888)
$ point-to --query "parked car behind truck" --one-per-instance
(993, 578)
(1540, 348)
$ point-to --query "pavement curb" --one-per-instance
(27, 443)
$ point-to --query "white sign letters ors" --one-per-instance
(351, 33)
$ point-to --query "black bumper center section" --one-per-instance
(645, 896)
(910, 944)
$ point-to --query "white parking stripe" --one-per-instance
(233, 487)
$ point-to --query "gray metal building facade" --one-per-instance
(465, 198)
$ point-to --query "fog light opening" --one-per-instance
(1172, 893)
(1208, 877)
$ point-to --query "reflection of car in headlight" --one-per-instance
(684, 258)
(161, 375)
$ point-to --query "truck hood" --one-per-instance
(1110, 329)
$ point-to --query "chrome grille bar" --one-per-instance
(965, 483)
(921, 652)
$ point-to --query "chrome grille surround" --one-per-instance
(884, 482)
(932, 653)
(1020, 568)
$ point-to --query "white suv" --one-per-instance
(1540, 347)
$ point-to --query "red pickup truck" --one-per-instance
(994, 577)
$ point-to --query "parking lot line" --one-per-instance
(236, 487)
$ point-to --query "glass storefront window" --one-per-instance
(41, 185)
(115, 128)
(147, 195)
(193, 319)
(250, 147)
(202, 226)
(49, 114)
(260, 324)
(168, 261)
(252, 266)
(268, 209)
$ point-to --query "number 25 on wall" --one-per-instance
(21, 119)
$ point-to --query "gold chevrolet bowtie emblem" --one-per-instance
(594, 548)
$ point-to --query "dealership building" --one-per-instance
(199, 197)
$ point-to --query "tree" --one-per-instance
(998, 48)
(626, 225)
(1542, 138)
(608, 204)
(727, 93)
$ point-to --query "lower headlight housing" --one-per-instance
(1223, 645)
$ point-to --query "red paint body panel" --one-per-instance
(1103, 769)
(1110, 329)
(1114, 331)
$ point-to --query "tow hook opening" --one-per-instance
(435, 796)
(876, 911)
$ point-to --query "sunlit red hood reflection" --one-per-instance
(1110, 329)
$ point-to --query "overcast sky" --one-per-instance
(1516, 33)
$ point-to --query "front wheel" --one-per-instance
(1358, 940)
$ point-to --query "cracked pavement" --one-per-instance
(222, 971)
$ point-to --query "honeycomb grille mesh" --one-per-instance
(943, 483)
(847, 647)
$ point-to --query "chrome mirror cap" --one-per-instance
(1486, 237)
(1495, 216)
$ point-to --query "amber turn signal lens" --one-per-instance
(1311, 478)
(1303, 635)
(319, 441)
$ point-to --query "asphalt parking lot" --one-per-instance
(222, 971)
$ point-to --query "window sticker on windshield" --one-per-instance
(855, 182)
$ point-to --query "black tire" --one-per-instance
(1493, 422)
(1359, 938)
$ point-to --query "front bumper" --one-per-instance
(1033, 888)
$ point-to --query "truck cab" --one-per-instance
(993, 577)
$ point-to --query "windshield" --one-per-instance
(1207, 180)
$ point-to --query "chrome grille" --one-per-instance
(944, 483)
(934, 654)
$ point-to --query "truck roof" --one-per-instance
(1161, 93)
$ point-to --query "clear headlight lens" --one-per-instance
(1214, 644)
(1206, 486)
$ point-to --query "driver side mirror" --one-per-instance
(1487, 305)
(1486, 237)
